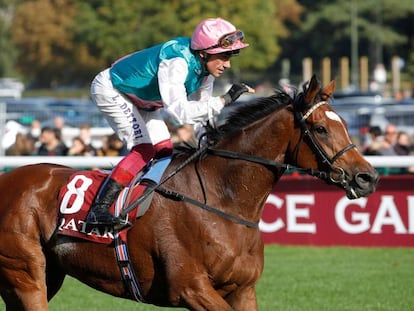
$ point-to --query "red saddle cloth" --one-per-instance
(75, 200)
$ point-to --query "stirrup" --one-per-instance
(103, 218)
(99, 215)
(123, 224)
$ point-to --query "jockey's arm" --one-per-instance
(186, 108)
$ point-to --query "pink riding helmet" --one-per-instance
(211, 32)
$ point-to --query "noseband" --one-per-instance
(320, 152)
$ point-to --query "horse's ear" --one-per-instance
(329, 89)
(312, 90)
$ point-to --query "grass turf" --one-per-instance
(298, 279)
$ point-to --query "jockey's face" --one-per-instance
(217, 63)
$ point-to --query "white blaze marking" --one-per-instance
(333, 116)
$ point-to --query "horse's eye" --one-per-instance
(320, 130)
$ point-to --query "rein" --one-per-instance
(179, 197)
(270, 164)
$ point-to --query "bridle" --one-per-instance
(326, 161)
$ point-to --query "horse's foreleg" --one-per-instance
(16, 300)
(22, 273)
(199, 295)
(243, 299)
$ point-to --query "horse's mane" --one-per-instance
(239, 116)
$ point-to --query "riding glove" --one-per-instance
(234, 93)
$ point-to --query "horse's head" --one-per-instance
(300, 130)
(322, 143)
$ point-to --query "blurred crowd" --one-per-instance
(390, 142)
(48, 141)
(41, 140)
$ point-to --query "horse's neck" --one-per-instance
(245, 185)
(249, 185)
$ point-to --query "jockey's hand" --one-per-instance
(235, 91)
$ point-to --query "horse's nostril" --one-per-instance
(365, 179)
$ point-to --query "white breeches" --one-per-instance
(133, 126)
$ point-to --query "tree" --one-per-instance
(109, 29)
(112, 29)
(41, 29)
(71, 40)
(325, 30)
(8, 52)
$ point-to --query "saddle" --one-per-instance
(77, 196)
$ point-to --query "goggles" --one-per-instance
(232, 53)
(228, 40)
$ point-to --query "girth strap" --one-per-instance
(124, 262)
(127, 272)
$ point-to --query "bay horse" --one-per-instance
(183, 255)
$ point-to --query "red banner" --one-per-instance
(305, 211)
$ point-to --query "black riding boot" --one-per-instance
(99, 213)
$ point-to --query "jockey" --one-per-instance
(177, 75)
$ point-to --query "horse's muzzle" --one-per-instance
(362, 185)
